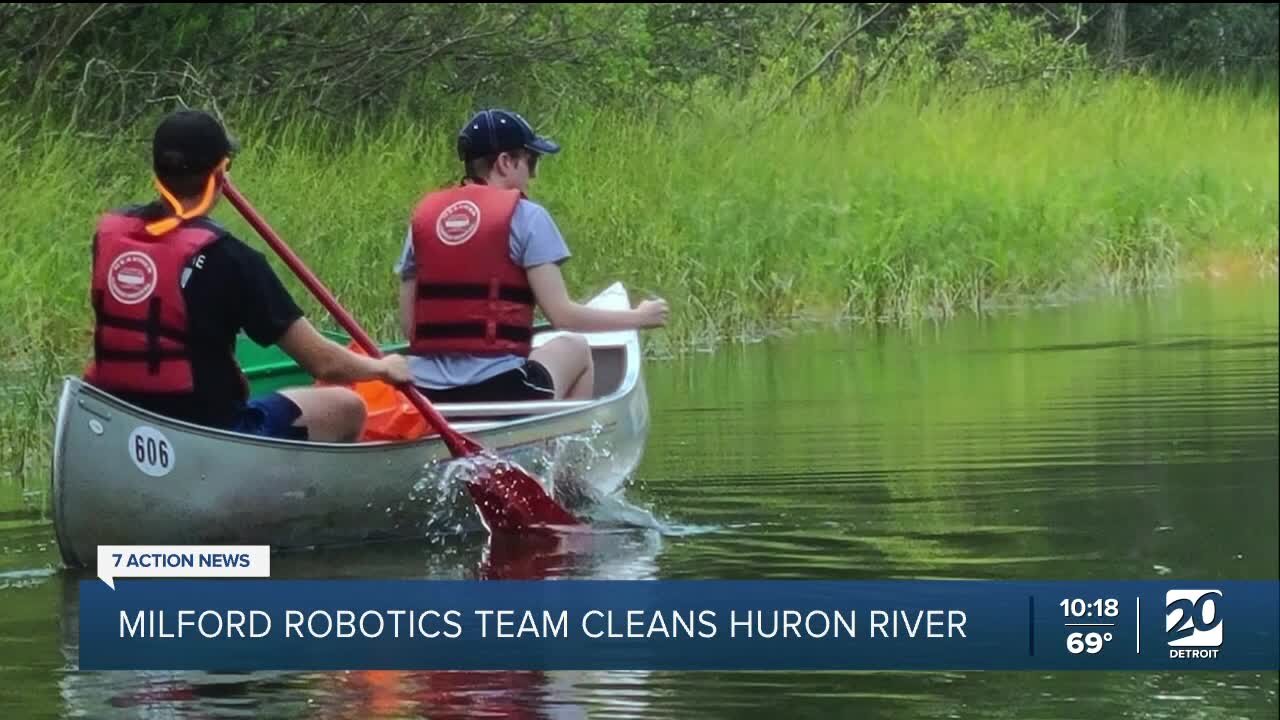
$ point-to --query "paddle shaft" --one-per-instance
(458, 444)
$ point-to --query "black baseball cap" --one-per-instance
(496, 130)
(190, 142)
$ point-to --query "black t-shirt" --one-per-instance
(230, 288)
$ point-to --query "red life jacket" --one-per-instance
(140, 330)
(471, 297)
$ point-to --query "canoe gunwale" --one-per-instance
(539, 412)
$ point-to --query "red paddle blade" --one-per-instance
(512, 501)
(509, 499)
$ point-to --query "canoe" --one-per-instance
(124, 475)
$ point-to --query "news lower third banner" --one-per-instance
(278, 624)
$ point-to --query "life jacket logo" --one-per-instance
(132, 277)
(458, 223)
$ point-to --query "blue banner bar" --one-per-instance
(247, 624)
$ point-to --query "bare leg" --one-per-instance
(568, 358)
(584, 388)
(331, 414)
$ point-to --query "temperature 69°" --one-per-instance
(1090, 642)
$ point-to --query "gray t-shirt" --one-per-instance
(535, 240)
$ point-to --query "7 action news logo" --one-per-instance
(1193, 623)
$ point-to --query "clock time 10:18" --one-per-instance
(1078, 607)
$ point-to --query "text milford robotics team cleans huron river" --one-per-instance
(512, 624)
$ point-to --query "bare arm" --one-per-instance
(406, 307)
(327, 361)
(565, 314)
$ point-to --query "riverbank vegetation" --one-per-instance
(856, 162)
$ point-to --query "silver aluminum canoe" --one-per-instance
(123, 475)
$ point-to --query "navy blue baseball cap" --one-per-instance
(492, 131)
(190, 142)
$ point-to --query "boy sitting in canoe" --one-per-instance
(477, 258)
(172, 289)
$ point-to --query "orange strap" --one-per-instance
(160, 227)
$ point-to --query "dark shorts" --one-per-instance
(270, 415)
(531, 381)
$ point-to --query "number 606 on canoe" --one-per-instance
(151, 451)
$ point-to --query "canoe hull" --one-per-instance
(123, 475)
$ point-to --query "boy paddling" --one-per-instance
(172, 289)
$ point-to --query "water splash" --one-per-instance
(580, 471)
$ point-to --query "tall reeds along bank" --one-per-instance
(745, 211)
(918, 202)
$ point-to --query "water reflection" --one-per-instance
(620, 554)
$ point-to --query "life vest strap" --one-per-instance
(473, 291)
(143, 326)
(106, 353)
(152, 328)
(513, 333)
(153, 325)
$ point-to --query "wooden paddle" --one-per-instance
(508, 498)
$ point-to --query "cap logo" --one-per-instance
(458, 222)
(132, 277)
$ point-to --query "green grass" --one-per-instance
(913, 204)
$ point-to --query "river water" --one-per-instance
(1118, 438)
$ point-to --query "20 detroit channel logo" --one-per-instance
(1193, 623)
